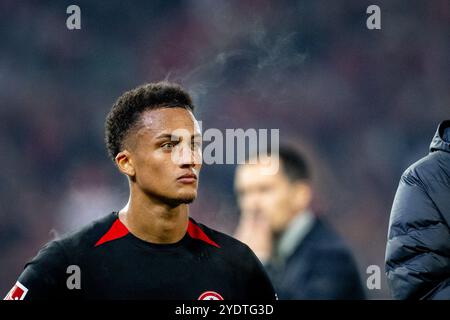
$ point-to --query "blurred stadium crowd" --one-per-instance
(364, 104)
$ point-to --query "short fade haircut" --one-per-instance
(294, 164)
(126, 111)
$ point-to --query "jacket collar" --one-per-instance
(297, 230)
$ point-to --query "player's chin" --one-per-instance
(186, 196)
(186, 199)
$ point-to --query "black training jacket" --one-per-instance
(418, 247)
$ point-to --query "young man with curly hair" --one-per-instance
(152, 248)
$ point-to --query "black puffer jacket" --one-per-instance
(418, 247)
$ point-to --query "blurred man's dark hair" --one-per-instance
(294, 164)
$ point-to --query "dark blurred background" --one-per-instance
(364, 103)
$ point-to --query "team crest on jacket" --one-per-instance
(18, 292)
(210, 295)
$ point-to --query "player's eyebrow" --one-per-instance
(173, 137)
(164, 136)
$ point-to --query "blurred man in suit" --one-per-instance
(304, 257)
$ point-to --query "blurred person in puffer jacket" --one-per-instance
(418, 247)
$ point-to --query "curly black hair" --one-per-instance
(126, 111)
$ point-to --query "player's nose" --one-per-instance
(186, 156)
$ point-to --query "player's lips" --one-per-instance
(188, 178)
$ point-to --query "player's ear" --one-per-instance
(125, 163)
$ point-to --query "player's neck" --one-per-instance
(153, 220)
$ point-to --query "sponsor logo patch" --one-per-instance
(210, 295)
(18, 292)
